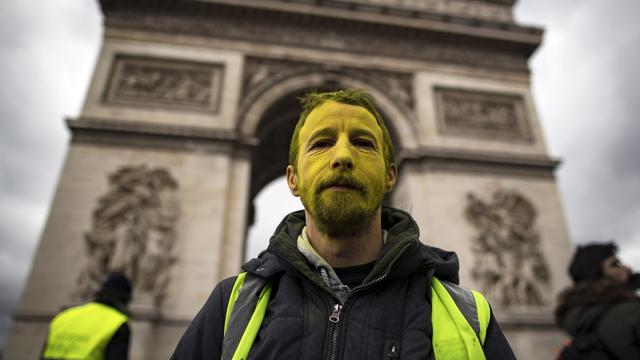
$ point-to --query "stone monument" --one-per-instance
(189, 115)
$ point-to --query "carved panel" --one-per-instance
(509, 263)
(481, 114)
(133, 232)
(259, 71)
(139, 81)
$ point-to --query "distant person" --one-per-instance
(96, 330)
(601, 311)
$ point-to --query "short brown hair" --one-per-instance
(347, 96)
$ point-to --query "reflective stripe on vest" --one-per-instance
(82, 332)
(459, 318)
(245, 312)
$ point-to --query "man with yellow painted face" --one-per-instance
(345, 278)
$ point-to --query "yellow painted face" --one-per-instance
(340, 172)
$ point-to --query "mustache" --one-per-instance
(342, 180)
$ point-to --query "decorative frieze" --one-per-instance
(482, 115)
(260, 71)
(133, 232)
(509, 263)
(153, 82)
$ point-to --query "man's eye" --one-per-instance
(364, 143)
(321, 144)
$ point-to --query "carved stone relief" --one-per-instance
(509, 263)
(480, 114)
(154, 82)
(133, 232)
(399, 86)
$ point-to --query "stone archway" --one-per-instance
(395, 99)
(271, 110)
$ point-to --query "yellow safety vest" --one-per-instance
(459, 319)
(83, 332)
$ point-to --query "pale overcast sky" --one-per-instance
(584, 78)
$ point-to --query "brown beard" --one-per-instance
(341, 217)
(345, 214)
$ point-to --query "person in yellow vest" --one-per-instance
(96, 330)
(345, 278)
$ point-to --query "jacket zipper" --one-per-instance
(381, 277)
(334, 317)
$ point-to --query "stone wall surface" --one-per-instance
(493, 10)
(535, 344)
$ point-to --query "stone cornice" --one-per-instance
(501, 2)
(400, 34)
(357, 13)
(379, 12)
(141, 134)
(513, 164)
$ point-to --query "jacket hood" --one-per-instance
(581, 306)
(402, 255)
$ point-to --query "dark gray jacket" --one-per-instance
(390, 310)
(604, 308)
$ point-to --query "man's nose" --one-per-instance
(342, 158)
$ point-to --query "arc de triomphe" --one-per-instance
(189, 116)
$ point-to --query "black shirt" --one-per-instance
(353, 276)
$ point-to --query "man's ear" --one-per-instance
(292, 180)
(391, 178)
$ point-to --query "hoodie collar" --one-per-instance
(402, 255)
(326, 271)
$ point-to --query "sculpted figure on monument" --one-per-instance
(133, 231)
(509, 262)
